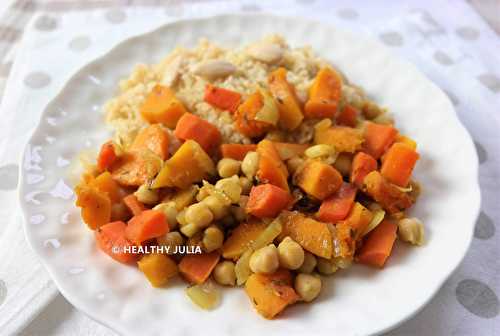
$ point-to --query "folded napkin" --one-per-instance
(456, 51)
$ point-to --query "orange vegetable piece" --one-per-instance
(362, 165)
(194, 128)
(358, 219)
(348, 116)
(271, 293)
(245, 117)
(385, 193)
(344, 139)
(222, 98)
(112, 241)
(407, 141)
(267, 200)
(286, 99)
(95, 204)
(104, 182)
(147, 225)
(158, 268)
(107, 156)
(337, 206)
(241, 238)
(324, 94)
(196, 268)
(378, 138)
(319, 179)
(378, 245)
(153, 138)
(271, 168)
(135, 168)
(133, 204)
(236, 151)
(312, 235)
(161, 106)
(398, 164)
(289, 150)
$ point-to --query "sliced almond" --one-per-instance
(213, 69)
(172, 71)
(270, 53)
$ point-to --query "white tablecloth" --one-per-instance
(446, 39)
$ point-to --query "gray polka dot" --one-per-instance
(392, 39)
(348, 14)
(477, 298)
(482, 155)
(46, 23)
(3, 292)
(453, 98)
(251, 8)
(442, 58)
(79, 43)
(491, 81)
(485, 228)
(468, 33)
(116, 16)
(8, 177)
(37, 80)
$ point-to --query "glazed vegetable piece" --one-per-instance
(398, 164)
(107, 156)
(192, 127)
(358, 220)
(378, 138)
(111, 240)
(104, 182)
(189, 164)
(133, 204)
(196, 268)
(147, 225)
(389, 196)
(135, 168)
(348, 116)
(406, 140)
(206, 295)
(271, 168)
(378, 245)
(318, 179)
(343, 139)
(362, 165)
(245, 116)
(221, 98)
(153, 138)
(158, 268)
(289, 150)
(183, 198)
(267, 200)
(324, 94)
(271, 293)
(236, 151)
(95, 206)
(286, 99)
(241, 238)
(161, 106)
(337, 206)
(312, 235)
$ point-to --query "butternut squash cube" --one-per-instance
(95, 204)
(324, 94)
(318, 179)
(284, 95)
(241, 238)
(158, 268)
(343, 139)
(161, 106)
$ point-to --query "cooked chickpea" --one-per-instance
(190, 229)
(320, 150)
(204, 192)
(291, 254)
(342, 263)
(309, 263)
(199, 214)
(343, 164)
(213, 237)
(227, 167)
(265, 260)
(326, 266)
(246, 185)
(371, 110)
(250, 164)
(215, 205)
(411, 230)
(170, 212)
(230, 186)
(146, 195)
(307, 286)
(294, 163)
(171, 240)
(224, 273)
(385, 119)
(181, 217)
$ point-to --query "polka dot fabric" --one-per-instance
(449, 42)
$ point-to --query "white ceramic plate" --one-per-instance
(359, 301)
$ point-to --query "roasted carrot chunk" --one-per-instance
(337, 206)
(153, 138)
(378, 138)
(245, 117)
(398, 164)
(271, 168)
(111, 240)
(107, 156)
(161, 106)
(222, 98)
(241, 238)
(348, 116)
(267, 200)
(191, 127)
(344, 139)
(147, 225)
(133, 204)
(324, 94)
(362, 165)
(196, 268)
(236, 151)
(319, 179)
(378, 245)
(285, 97)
